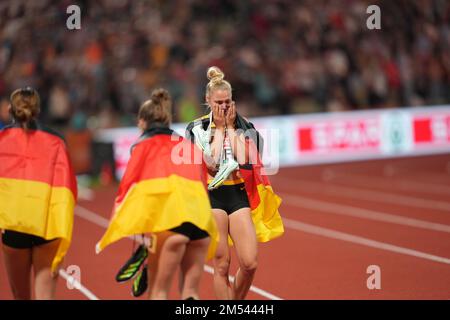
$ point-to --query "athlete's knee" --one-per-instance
(222, 264)
(249, 265)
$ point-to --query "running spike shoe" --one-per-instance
(140, 283)
(132, 266)
(224, 171)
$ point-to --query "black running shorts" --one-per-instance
(229, 198)
(191, 231)
(19, 240)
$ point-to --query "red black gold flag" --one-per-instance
(264, 203)
(163, 187)
(38, 189)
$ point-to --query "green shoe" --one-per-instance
(132, 266)
(224, 171)
(140, 284)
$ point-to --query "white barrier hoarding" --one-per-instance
(122, 140)
(330, 137)
(360, 135)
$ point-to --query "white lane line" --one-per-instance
(333, 208)
(78, 285)
(364, 194)
(259, 291)
(91, 216)
(398, 183)
(330, 233)
(103, 222)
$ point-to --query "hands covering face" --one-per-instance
(224, 116)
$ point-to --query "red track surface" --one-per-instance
(305, 265)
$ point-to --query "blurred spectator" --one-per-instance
(5, 117)
(59, 106)
(285, 56)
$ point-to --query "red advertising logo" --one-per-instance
(433, 129)
(422, 131)
(340, 136)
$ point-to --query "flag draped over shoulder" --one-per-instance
(38, 189)
(264, 203)
(164, 186)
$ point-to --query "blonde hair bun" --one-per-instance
(215, 75)
(216, 81)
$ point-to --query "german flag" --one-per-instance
(264, 203)
(38, 189)
(164, 186)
